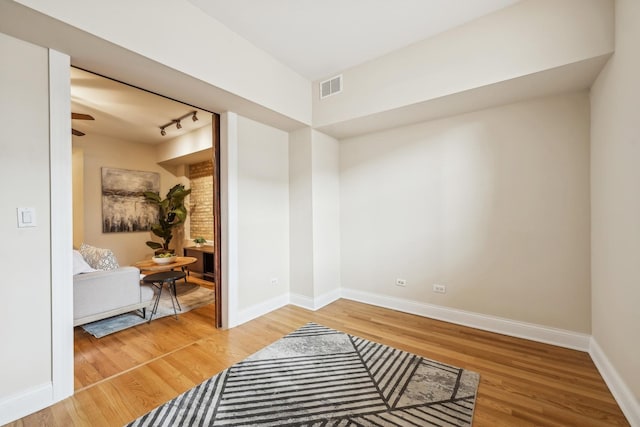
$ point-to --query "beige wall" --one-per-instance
(263, 213)
(300, 213)
(198, 141)
(25, 307)
(529, 37)
(314, 189)
(326, 213)
(78, 193)
(492, 204)
(615, 148)
(101, 151)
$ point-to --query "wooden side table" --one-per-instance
(158, 280)
(180, 262)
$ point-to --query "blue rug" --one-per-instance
(190, 296)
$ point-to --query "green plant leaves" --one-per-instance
(154, 245)
(151, 196)
(171, 213)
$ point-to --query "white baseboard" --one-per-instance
(284, 299)
(328, 298)
(301, 301)
(261, 309)
(623, 395)
(317, 303)
(555, 336)
(25, 403)
(530, 331)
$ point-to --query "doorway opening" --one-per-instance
(127, 133)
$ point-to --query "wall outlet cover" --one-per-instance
(441, 289)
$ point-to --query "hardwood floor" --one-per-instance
(522, 383)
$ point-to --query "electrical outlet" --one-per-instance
(274, 280)
(401, 282)
(441, 289)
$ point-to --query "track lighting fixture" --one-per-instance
(177, 121)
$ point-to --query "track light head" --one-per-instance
(177, 122)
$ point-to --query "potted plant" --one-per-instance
(199, 241)
(171, 213)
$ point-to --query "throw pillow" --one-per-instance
(80, 265)
(98, 258)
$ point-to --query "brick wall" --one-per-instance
(201, 200)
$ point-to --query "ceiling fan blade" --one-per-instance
(77, 132)
(78, 116)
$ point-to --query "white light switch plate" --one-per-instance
(26, 217)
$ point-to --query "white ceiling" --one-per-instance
(316, 38)
(124, 112)
(319, 38)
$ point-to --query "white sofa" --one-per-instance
(105, 293)
(101, 288)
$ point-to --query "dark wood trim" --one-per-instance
(217, 227)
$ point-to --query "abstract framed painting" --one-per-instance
(124, 208)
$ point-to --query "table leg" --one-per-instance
(157, 301)
(173, 296)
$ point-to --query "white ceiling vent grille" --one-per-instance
(331, 86)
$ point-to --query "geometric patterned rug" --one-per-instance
(317, 376)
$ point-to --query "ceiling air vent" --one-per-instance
(331, 86)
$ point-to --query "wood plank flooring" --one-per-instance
(522, 383)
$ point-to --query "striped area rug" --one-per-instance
(317, 376)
